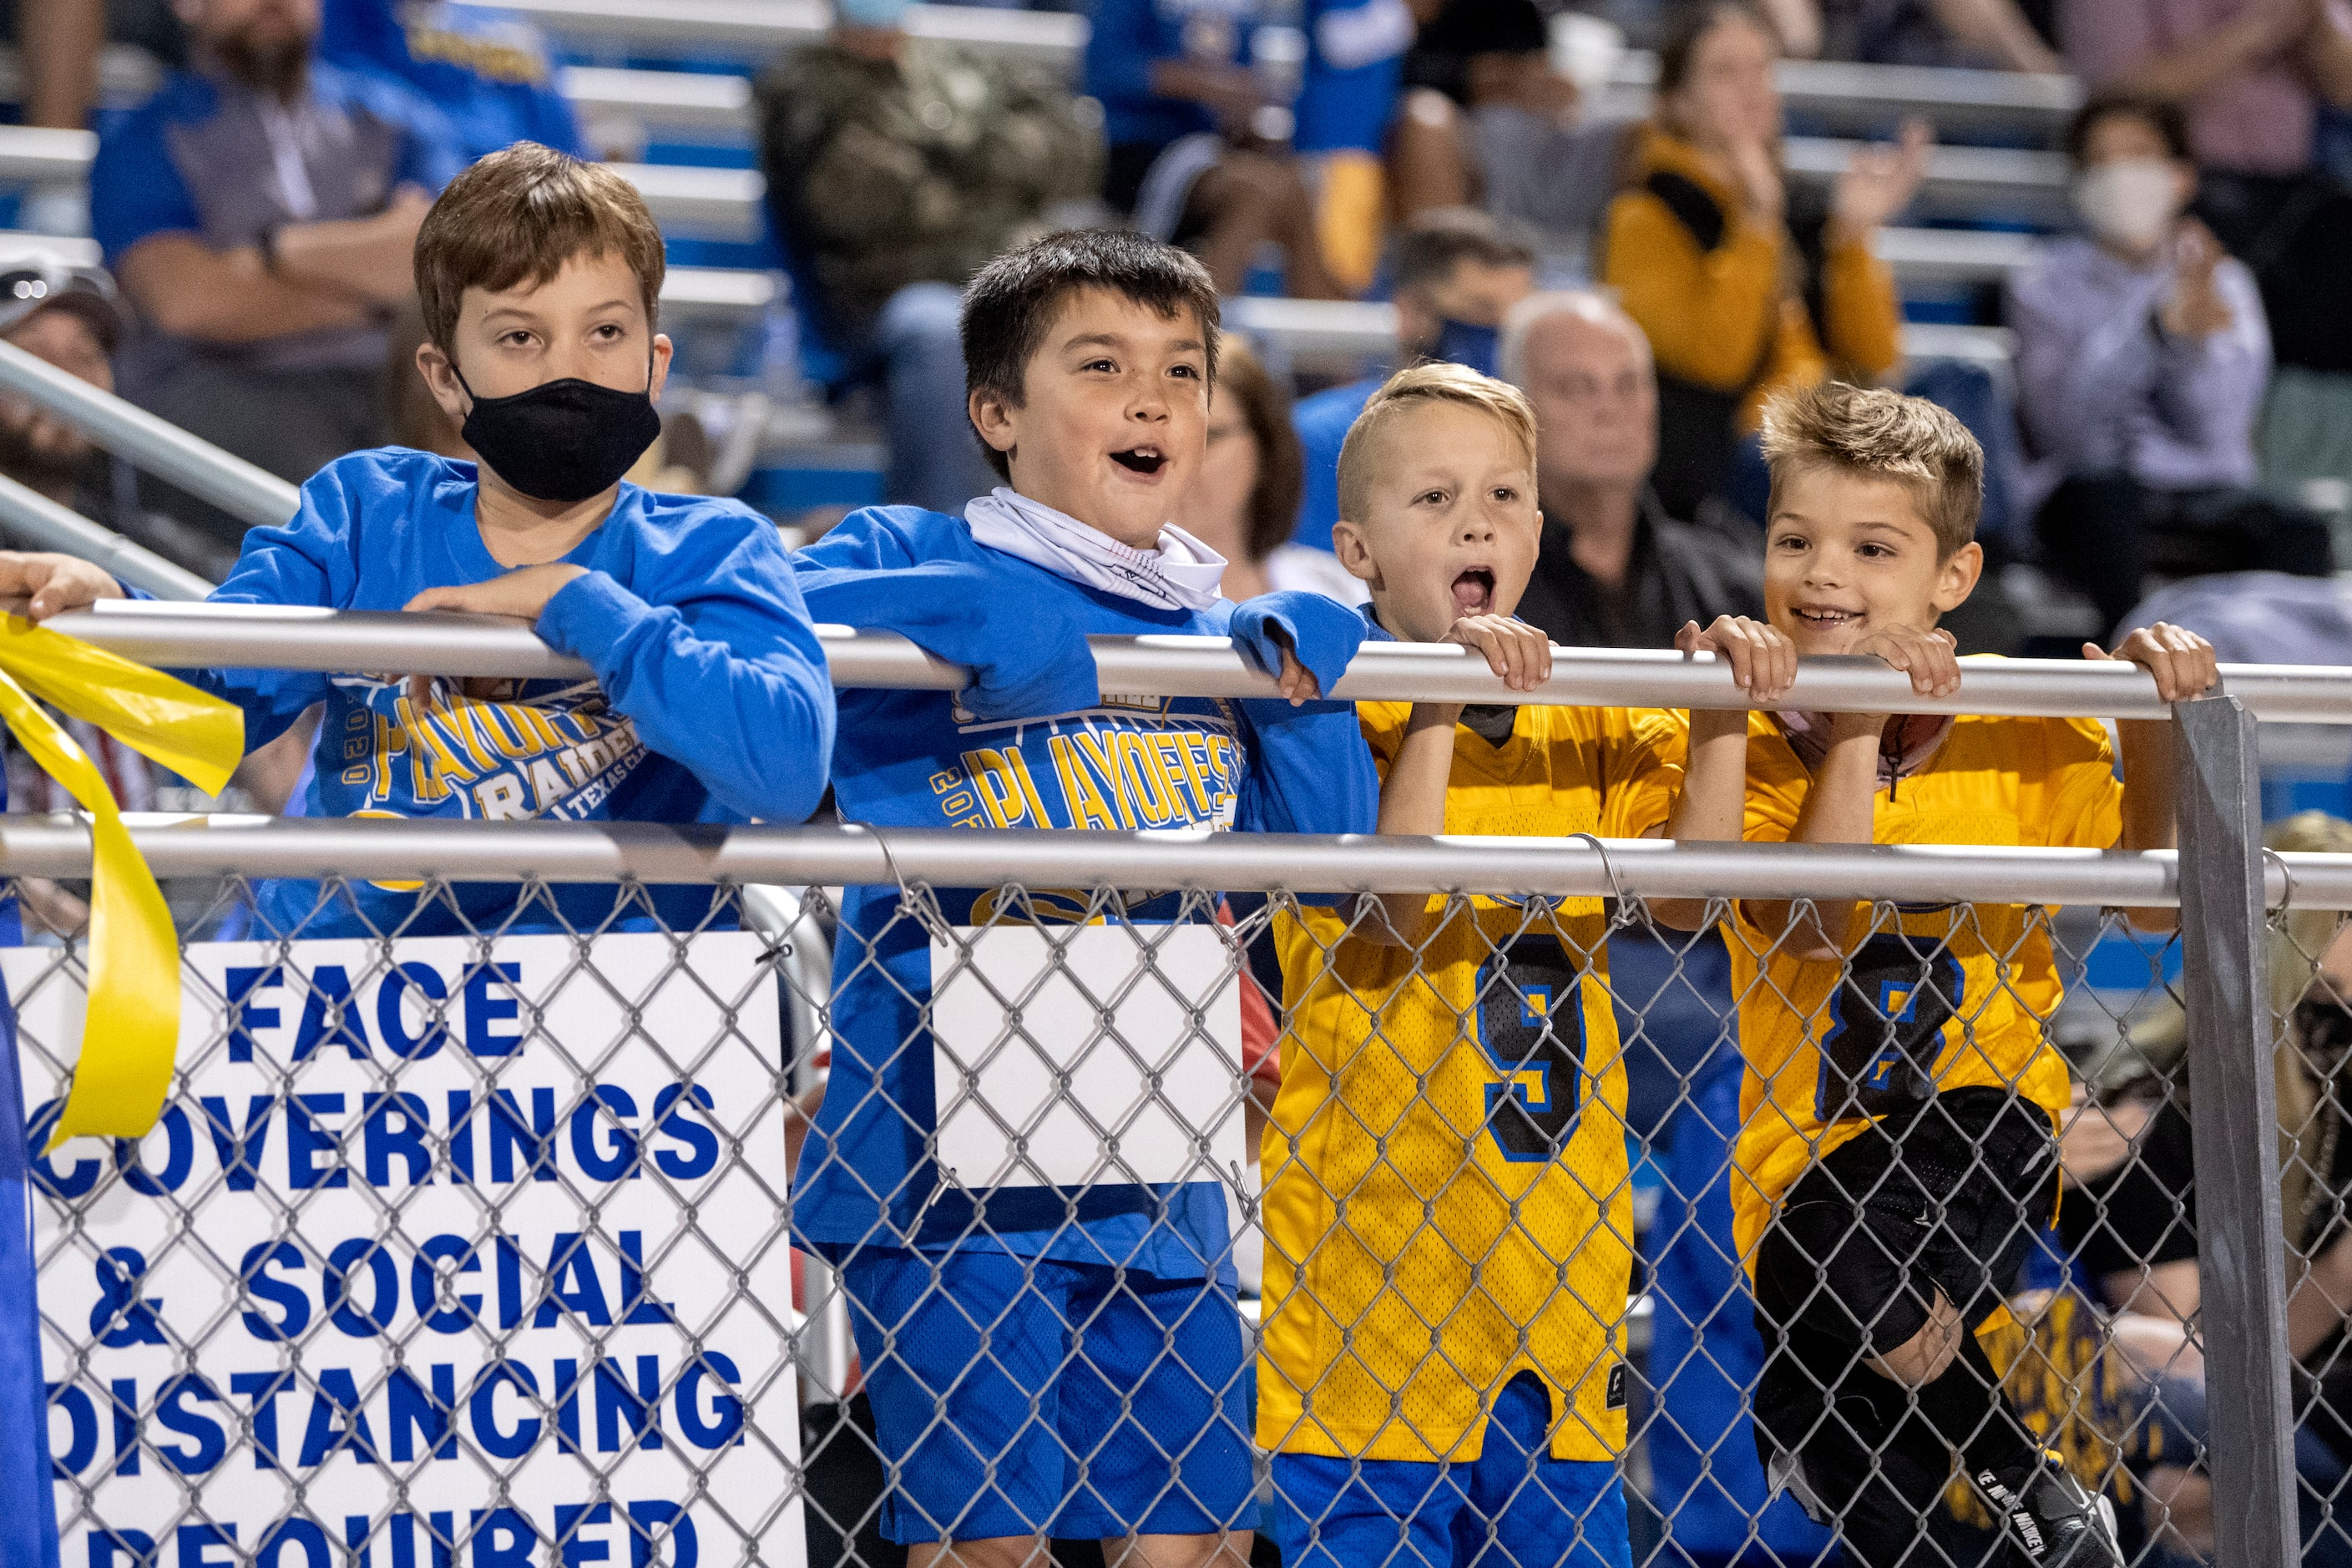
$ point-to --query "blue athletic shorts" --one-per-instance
(1512, 1507)
(1015, 1396)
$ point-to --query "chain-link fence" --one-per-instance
(1392, 1229)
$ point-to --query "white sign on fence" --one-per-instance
(1062, 1057)
(432, 1262)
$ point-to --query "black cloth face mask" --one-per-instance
(561, 440)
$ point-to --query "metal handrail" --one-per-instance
(249, 494)
(31, 515)
(176, 637)
(388, 849)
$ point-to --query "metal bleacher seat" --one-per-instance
(1326, 333)
(686, 291)
(703, 203)
(756, 28)
(726, 204)
(1933, 256)
(1850, 96)
(699, 203)
(2017, 183)
(702, 104)
(2007, 183)
(714, 107)
(30, 154)
(1868, 97)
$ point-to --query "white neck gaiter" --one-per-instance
(1182, 574)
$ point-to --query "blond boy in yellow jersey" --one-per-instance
(1897, 1150)
(1448, 1223)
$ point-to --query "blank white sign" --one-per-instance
(1009, 1020)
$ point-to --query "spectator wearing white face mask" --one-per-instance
(2142, 356)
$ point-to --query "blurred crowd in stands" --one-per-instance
(2173, 416)
(2172, 404)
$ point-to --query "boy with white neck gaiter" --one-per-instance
(1047, 1357)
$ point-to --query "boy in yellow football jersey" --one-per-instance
(1897, 1150)
(1447, 1215)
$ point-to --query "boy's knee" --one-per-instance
(997, 1552)
(1250, 186)
(1927, 1354)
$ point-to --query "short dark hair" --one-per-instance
(1009, 305)
(2171, 124)
(1442, 238)
(519, 215)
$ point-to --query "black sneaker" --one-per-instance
(2050, 1521)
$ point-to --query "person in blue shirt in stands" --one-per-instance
(485, 68)
(1198, 138)
(1458, 272)
(259, 212)
(709, 699)
(1355, 64)
(1042, 1360)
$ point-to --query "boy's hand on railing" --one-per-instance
(1932, 659)
(1304, 640)
(50, 584)
(1296, 681)
(2182, 662)
(1763, 661)
(1519, 653)
(522, 593)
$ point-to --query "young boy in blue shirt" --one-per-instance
(711, 700)
(1054, 1360)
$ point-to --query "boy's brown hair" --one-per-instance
(1883, 434)
(521, 214)
(1010, 304)
(1417, 386)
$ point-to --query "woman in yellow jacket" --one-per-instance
(1741, 297)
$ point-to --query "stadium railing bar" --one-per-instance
(178, 845)
(270, 636)
(250, 494)
(37, 519)
(2226, 887)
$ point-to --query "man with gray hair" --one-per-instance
(1614, 570)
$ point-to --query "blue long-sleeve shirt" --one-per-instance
(711, 700)
(1032, 745)
(2102, 387)
(1355, 65)
(1130, 36)
(484, 67)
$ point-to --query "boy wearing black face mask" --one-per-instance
(538, 274)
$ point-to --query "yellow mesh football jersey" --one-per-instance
(1936, 998)
(1446, 1201)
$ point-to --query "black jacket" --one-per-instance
(1677, 572)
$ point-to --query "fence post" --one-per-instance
(2225, 942)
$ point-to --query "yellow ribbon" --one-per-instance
(132, 1032)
